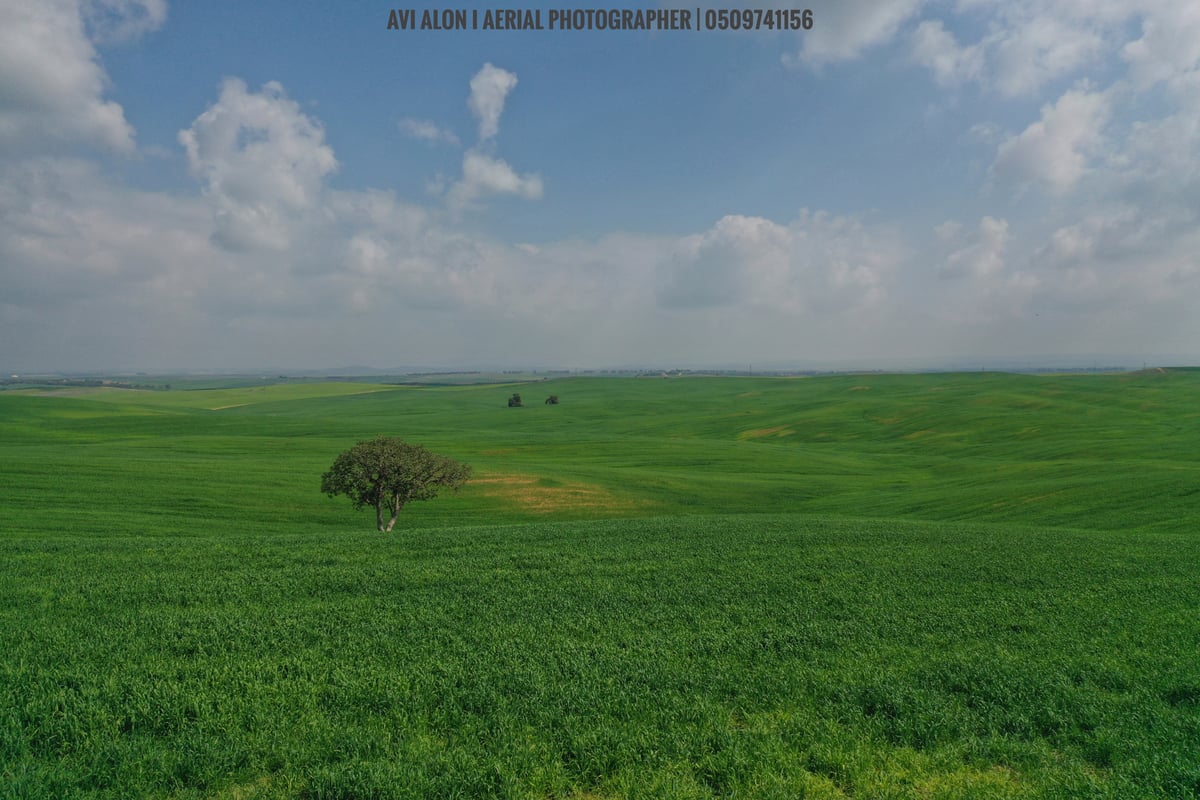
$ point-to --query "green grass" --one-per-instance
(938, 586)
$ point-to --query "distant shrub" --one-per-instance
(514, 401)
(552, 400)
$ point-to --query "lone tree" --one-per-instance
(389, 473)
(552, 400)
(514, 401)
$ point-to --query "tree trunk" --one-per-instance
(379, 515)
(396, 506)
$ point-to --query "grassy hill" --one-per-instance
(973, 585)
(1094, 452)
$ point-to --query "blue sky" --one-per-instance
(290, 185)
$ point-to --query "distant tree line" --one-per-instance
(80, 383)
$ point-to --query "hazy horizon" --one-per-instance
(1083, 362)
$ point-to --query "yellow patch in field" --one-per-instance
(920, 434)
(820, 787)
(247, 791)
(998, 782)
(540, 496)
(860, 388)
(778, 430)
(232, 405)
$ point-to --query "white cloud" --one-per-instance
(1039, 49)
(489, 89)
(484, 175)
(96, 268)
(936, 48)
(1169, 45)
(427, 131)
(843, 29)
(123, 20)
(96, 275)
(817, 263)
(1125, 274)
(983, 255)
(1055, 150)
(262, 163)
(1027, 44)
(52, 85)
(978, 298)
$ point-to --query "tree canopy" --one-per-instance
(389, 473)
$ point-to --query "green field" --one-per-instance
(867, 586)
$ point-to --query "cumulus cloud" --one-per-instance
(489, 90)
(1158, 163)
(817, 262)
(1039, 48)
(1108, 240)
(936, 48)
(722, 266)
(1122, 275)
(983, 255)
(1128, 151)
(52, 85)
(984, 287)
(1169, 45)
(483, 173)
(1016, 59)
(1055, 150)
(1027, 44)
(262, 162)
(843, 29)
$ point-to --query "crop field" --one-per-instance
(867, 586)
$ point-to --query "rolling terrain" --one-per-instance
(893, 586)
